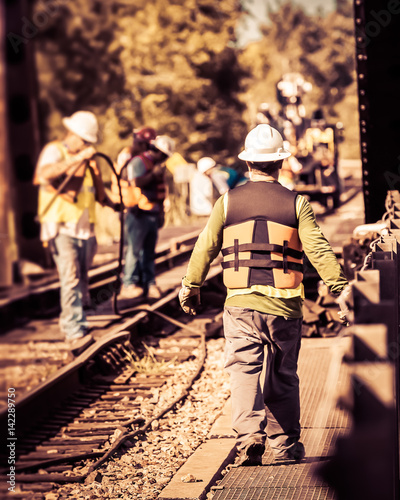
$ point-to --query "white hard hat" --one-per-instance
(164, 144)
(264, 143)
(83, 124)
(205, 164)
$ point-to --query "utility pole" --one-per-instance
(22, 124)
(6, 243)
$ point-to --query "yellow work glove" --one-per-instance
(189, 299)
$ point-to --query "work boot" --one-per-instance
(154, 292)
(250, 455)
(131, 292)
(295, 453)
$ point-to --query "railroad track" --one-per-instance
(41, 298)
(87, 410)
(35, 349)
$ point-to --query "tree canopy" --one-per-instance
(175, 66)
(170, 65)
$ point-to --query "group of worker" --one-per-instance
(261, 228)
(70, 184)
(311, 142)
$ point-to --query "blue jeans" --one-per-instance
(141, 232)
(73, 257)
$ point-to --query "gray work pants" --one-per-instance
(261, 353)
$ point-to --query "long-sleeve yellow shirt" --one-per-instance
(267, 299)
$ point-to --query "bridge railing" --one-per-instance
(366, 460)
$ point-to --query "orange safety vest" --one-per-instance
(132, 195)
(261, 244)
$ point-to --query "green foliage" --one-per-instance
(173, 65)
(164, 64)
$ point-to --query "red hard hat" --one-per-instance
(146, 134)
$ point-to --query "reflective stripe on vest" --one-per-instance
(153, 194)
(130, 194)
(62, 210)
(133, 196)
(261, 251)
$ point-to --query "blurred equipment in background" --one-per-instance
(267, 113)
(290, 91)
(318, 155)
(312, 170)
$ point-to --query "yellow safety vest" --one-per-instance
(62, 210)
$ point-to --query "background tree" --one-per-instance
(166, 64)
(176, 66)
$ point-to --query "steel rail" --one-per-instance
(126, 435)
(116, 334)
(29, 402)
(166, 252)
